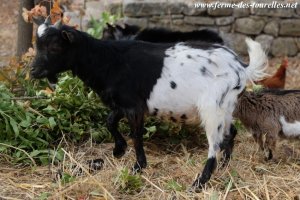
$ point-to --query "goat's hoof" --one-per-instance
(119, 152)
(268, 155)
(224, 161)
(137, 168)
(196, 187)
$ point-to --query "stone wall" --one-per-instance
(277, 29)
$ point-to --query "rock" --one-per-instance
(298, 10)
(94, 9)
(141, 22)
(178, 21)
(241, 12)
(284, 46)
(114, 7)
(225, 29)
(220, 12)
(290, 27)
(249, 26)
(272, 28)
(199, 20)
(274, 12)
(237, 42)
(74, 17)
(224, 20)
(177, 16)
(149, 8)
(173, 26)
(265, 41)
(191, 10)
(183, 27)
(213, 28)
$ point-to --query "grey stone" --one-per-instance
(213, 28)
(297, 41)
(94, 9)
(241, 12)
(178, 21)
(183, 27)
(274, 12)
(173, 26)
(249, 26)
(220, 12)
(225, 29)
(141, 22)
(140, 9)
(177, 16)
(237, 42)
(114, 8)
(73, 16)
(147, 8)
(199, 20)
(265, 41)
(191, 10)
(290, 27)
(224, 20)
(284, 46)
(298, 10)
(272, 28)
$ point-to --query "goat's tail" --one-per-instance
(258, 61)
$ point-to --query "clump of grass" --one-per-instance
(174, 185)
(128, 183)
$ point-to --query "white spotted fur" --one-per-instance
(199, 96)
(290, 129)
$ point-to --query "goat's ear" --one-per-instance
(68, 35)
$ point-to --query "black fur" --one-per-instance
(159, 35)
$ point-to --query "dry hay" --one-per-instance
(248, 176)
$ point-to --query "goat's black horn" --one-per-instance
(48, 21)
(58, 24)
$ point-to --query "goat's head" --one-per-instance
(120, 32)
(53, 47)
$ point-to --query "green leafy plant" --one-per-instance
(97, 25)
(128, 183)
(174, 185)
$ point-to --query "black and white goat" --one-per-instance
(270, 113)
(158, 35)
(181, 80)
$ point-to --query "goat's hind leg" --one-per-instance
(212, 124)
(112, 124)
(227, 145)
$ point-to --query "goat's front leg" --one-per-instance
(112, 124)
(136, 123)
